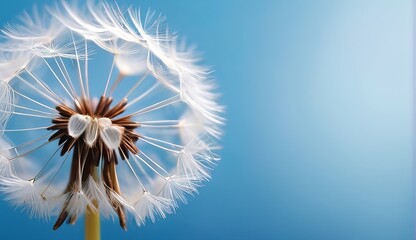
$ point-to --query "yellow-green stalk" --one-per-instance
(92, 218)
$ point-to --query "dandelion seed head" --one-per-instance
(104, 108)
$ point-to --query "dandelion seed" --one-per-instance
(102, 109)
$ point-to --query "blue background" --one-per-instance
(318, 140)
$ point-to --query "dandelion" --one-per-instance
(103, 110)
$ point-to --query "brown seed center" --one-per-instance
(86, 157)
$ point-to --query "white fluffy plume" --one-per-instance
(150, 148)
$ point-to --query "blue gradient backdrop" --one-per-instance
(318, 140)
